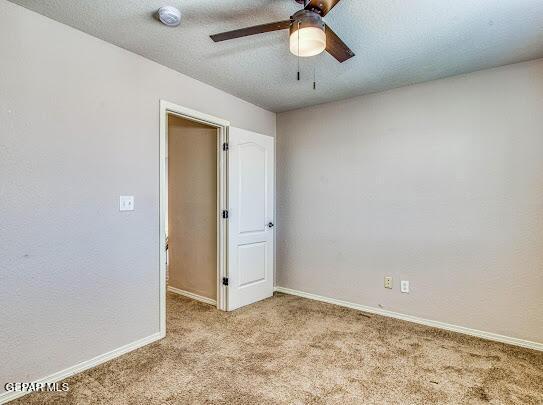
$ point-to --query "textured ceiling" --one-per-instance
(397, 42)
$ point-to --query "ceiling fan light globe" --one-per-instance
(311, 41)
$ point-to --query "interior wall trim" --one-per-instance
(415, 319)
(85, 365)
(193, 296)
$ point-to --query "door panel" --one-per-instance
(252, 263)
(251, 208)
(252, 187)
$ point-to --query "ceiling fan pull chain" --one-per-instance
(314, 77)
(298, 50)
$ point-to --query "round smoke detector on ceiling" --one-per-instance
(169, 16)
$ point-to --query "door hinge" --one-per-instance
(225, 146)
(225, 281)
(225, 214)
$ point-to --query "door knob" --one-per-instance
(270, 224)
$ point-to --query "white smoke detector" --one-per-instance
(169, 16)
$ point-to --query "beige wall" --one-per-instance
(192, 207)
(440, 184)
(79, 126)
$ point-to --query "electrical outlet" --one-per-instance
(404, 286)
(388, 282)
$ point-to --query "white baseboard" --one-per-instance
(436, 324)
(85, 365)
(193, 296)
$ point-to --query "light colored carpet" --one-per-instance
(292, 350)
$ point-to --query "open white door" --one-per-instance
(250, 220)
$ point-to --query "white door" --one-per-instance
(250, 220)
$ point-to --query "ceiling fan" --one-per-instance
(309, 35)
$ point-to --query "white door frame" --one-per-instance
(222, 125)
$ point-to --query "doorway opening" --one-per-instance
(192, 198)
(192, 205)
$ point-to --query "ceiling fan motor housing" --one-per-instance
(306, 18)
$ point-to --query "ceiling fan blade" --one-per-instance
(336, 47)
(257, 29)
(321, 6)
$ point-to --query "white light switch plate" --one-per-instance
(126, 203)
(404, 286)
